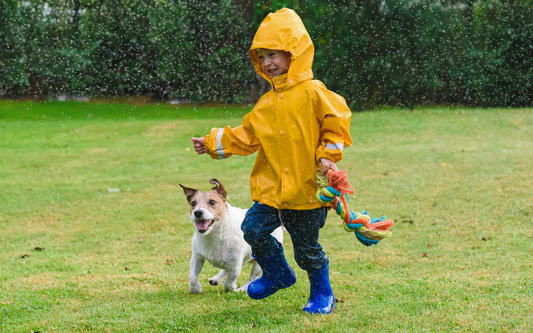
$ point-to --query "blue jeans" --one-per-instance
(303, 227)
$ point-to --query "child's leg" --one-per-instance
(259, 223)
(304, 227)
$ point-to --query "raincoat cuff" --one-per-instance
(211, 144)
(332, 155)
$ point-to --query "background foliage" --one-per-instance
(370, 51)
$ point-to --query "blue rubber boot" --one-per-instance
(321, 299)
(277, 274)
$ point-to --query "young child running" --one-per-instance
(296, 127)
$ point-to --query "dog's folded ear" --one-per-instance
(189, 192)
(218, 187)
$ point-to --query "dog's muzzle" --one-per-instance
(202, 225)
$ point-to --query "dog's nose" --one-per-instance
(198, 213)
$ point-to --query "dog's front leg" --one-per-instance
(232, 275)
(197, 263)
(217, 279)
(256, 274)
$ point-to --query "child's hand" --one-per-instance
(327, 165)
(199, 145)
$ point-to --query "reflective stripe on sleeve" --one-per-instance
(335, 146)
(220, 149)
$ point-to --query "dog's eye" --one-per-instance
(193, 203)
(212, 202)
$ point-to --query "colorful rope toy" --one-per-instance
(333, 188)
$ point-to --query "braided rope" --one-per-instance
(333, 189)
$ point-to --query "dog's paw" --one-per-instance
(195, 289)
(230, 287)
(217, 279)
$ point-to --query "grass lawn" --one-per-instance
(458, 183)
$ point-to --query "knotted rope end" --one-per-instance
(333, 188)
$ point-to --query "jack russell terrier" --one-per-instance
(218, 238)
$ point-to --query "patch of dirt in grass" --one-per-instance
(45, 223)
(39, 281)
(157, 225)
(388, 260)
(117, 282)
(517, 120)
(6, 302)
(347, 256)
(96, 150)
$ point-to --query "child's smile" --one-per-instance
(274, 62)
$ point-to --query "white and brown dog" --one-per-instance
(218, 238)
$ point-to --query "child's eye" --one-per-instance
(272, 54)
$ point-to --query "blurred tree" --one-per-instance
(372, 52)
(36, 50)
(407, 53)
(12, 71)
(75, 45)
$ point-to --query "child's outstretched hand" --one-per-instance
(199, 145)
(327, 165)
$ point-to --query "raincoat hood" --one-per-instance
(284, 30)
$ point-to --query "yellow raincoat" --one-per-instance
(291, 127)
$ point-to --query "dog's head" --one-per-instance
(206, 208)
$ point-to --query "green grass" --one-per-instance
(458, 184)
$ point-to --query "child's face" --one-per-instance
(274, 62)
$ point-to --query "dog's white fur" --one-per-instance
(222, 244)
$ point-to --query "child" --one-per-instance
(294, 128)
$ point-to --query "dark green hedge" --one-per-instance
(370, 51)
(189, 50)
(415, 52)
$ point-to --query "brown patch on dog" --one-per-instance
(189, 192)
(213, 202)
(217, 194)
(218, 187)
